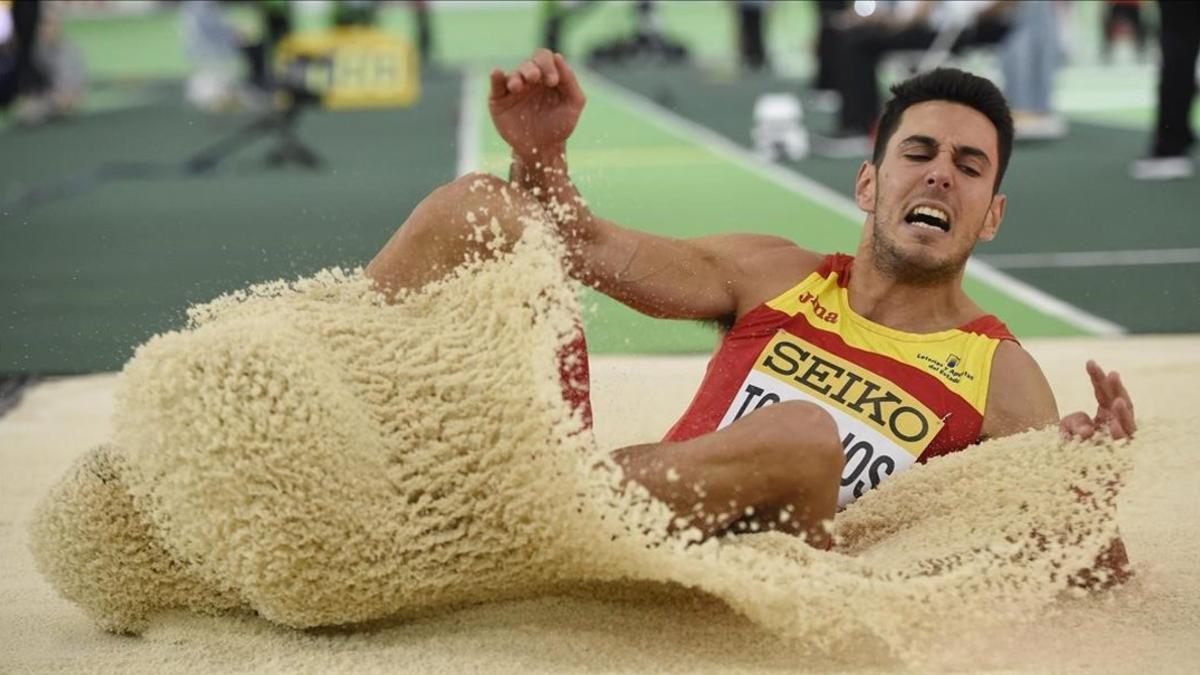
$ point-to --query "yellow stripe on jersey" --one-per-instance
(962, 361)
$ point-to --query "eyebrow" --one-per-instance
(968, 150)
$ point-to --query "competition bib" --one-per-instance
(884, 429)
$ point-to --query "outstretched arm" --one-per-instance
(535, 108)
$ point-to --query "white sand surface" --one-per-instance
(1151, 625)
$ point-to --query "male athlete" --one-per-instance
(833, 372)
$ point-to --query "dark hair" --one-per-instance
(956, 86)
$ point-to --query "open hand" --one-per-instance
(1114, 412)
(536, 106)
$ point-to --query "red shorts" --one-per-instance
(574, 375)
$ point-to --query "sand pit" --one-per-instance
(766, 603)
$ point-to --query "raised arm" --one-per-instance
(535, 108)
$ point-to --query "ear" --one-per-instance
(995, 214)
(864, 187)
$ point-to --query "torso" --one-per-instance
(898, 398)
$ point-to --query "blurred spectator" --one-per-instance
(910, 25)
(554, 15)
(45, 78)
(557, 15)
(212, 45)
(276, 16)
(1173, 137)
(1029, 57)
(1122, 15)
(827, 13)
(752, 47)
(424, 31)
(217, 52)
(25, 80)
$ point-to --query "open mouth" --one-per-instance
(929, 217)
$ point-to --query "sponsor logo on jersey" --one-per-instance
(883, 428)
(866, 396)
(947, 368)
(818, 310)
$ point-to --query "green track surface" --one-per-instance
(87, 276)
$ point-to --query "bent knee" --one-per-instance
(803, 433)
(487, 195)
(472, 184)
(464, 215)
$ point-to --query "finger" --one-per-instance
(1112, 385)
(530, 72)
(1119, 388)
(499, 84)
(544, 59)
(570, 84)
(1123, 413)
(1116, 430)
(1098, 384)
(515, 84)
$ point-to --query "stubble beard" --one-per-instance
(907, 268)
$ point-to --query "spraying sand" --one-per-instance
(311, 455)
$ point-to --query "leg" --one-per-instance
(30, 78)
(860, 51)
(827, 37)
(1177, 78)
(1017, 61)
(1112, 16)
(440, 234)
(1139, 28)
(777, 468)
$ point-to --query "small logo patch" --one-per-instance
(948, 369)
(819, 310)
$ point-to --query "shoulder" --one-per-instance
(764, 267)
(1019, 397)
(748, 250)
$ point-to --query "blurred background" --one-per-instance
(156, 154)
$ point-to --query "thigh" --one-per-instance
(782, 459)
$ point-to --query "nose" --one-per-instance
(941, 173)
(936, 181)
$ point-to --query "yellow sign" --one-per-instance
(353, 67)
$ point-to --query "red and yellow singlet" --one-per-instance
(898, 398)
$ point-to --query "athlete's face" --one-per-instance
(930, 199)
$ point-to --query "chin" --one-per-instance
(920, 266)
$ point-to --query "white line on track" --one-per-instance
(681, 126)
(1155, 256)
(470, 114)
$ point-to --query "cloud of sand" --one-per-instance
(316, 455)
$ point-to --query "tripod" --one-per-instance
(288, 150)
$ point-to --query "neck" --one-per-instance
(908, 307)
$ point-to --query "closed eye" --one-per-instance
(968, 170)
(918, 158)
